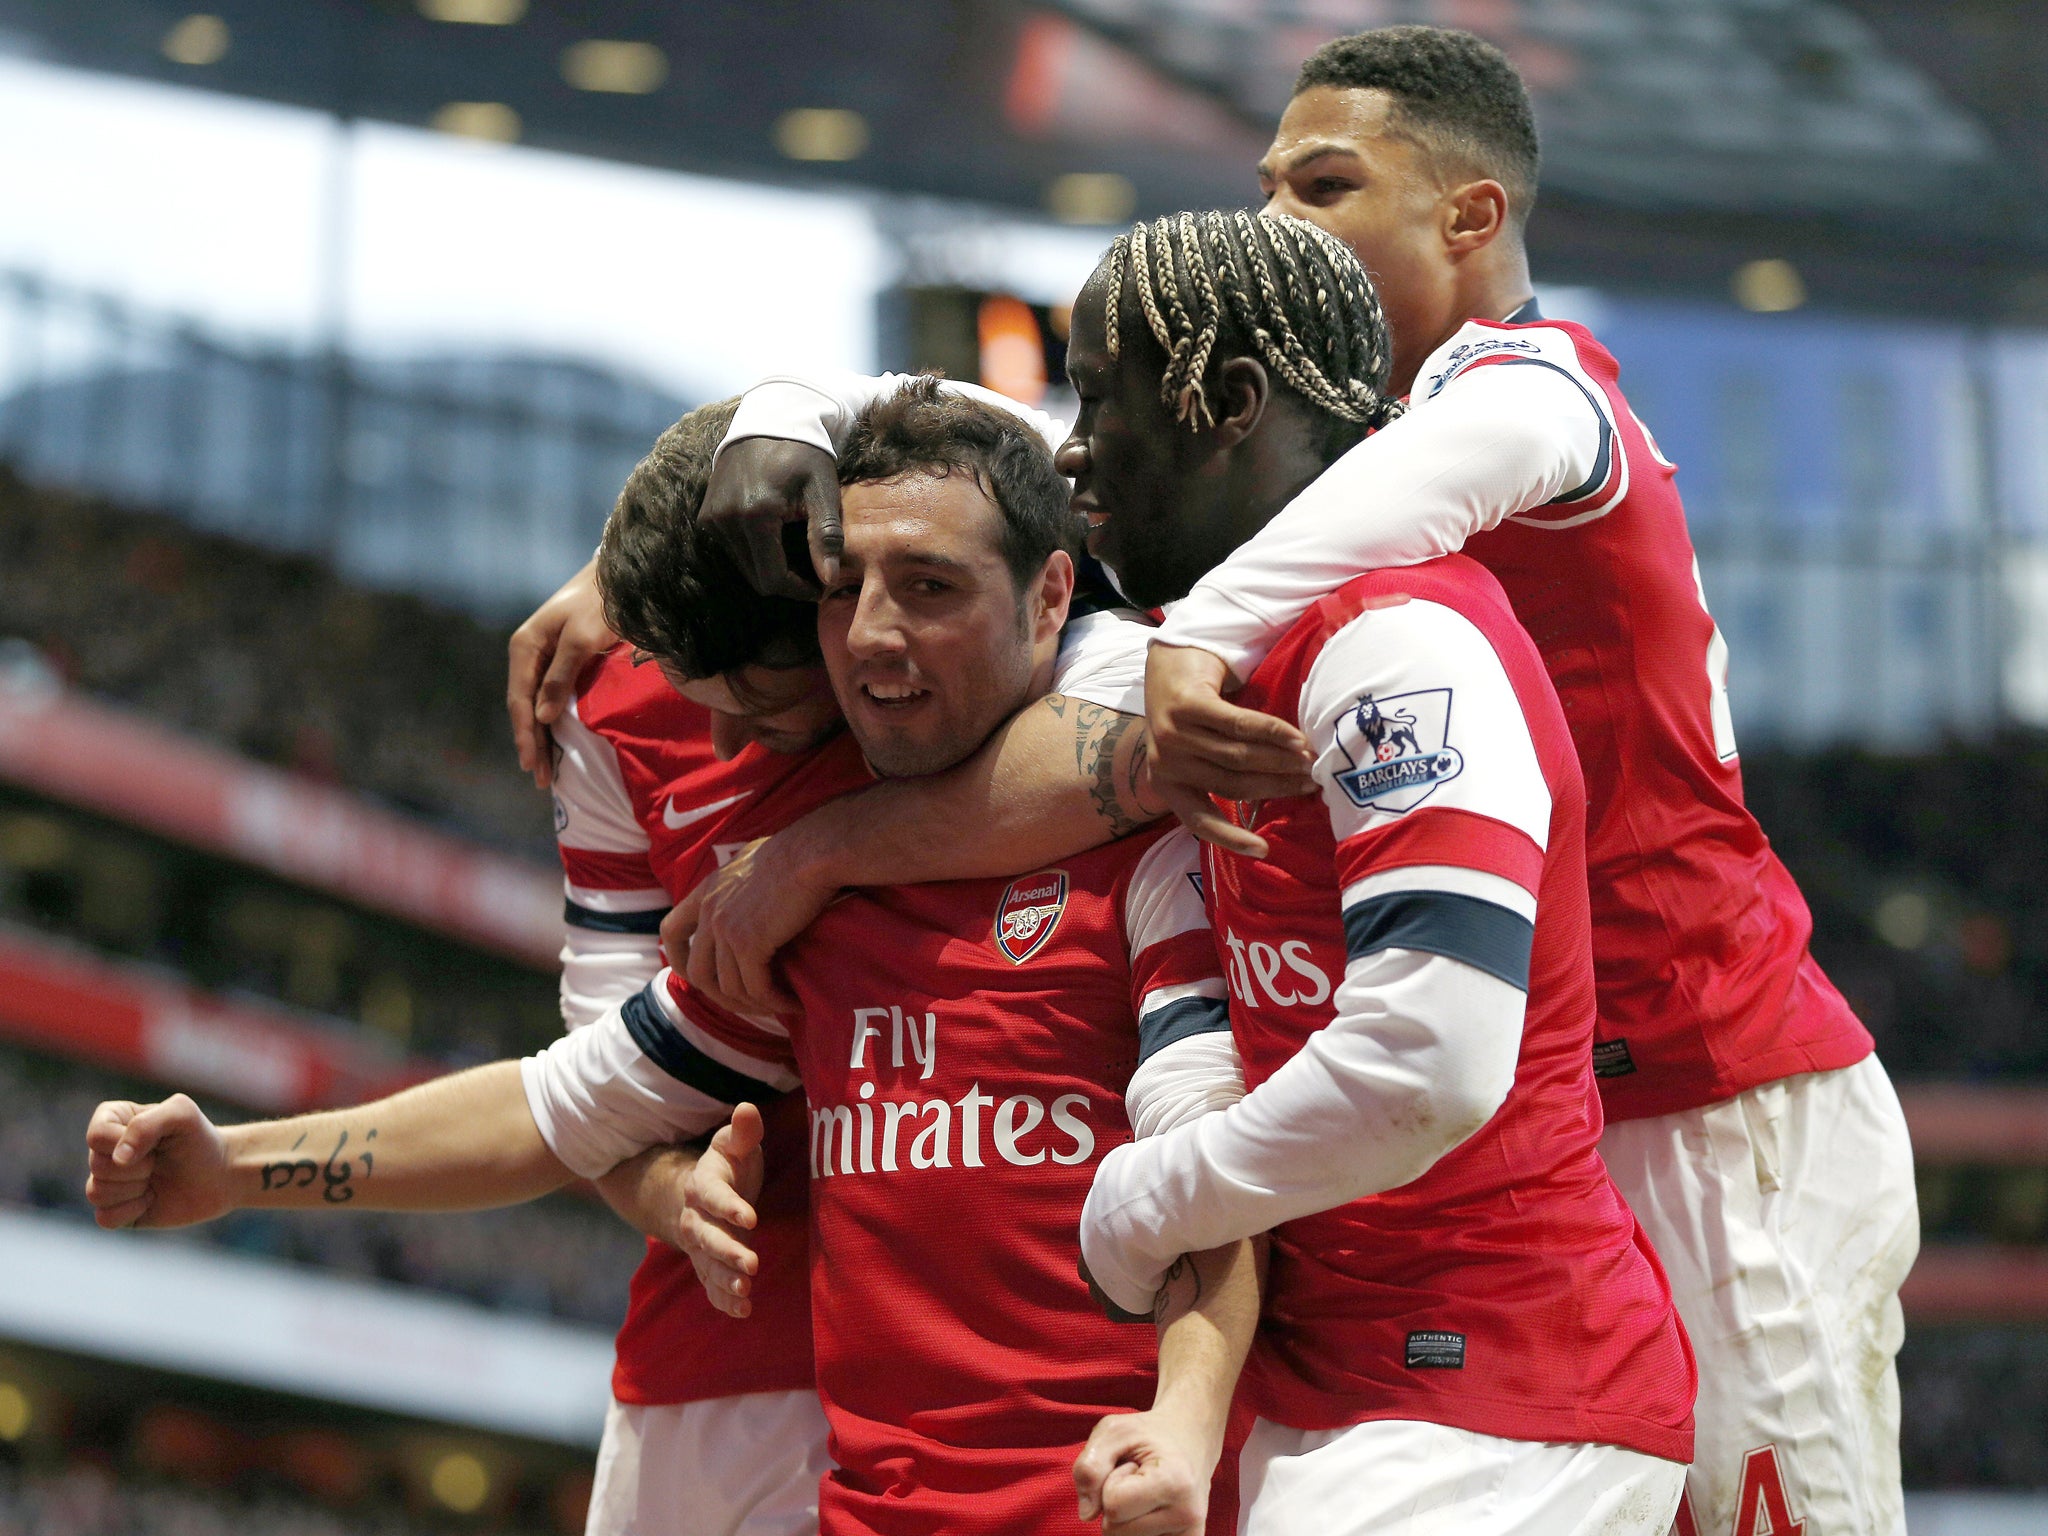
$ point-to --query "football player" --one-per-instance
(1115, 940)
(1748, 1122)
(1461, 1315)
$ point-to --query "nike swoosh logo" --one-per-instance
(676, 820)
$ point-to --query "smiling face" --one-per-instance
(928, 641)
(783, 709)
(1156, 512)
(1341, 162)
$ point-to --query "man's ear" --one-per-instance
(1476, 214)
(1243, 392)
(1052, 595)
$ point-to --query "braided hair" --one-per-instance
(1231, 283)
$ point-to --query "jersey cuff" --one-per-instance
(664, 1045)
(1482, 935)
(647, 921)
(1178, 1020)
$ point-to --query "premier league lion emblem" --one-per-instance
(1398, 749)
(1028, 913)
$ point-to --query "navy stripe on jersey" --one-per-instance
(667, 1049)
(1178, 1020)
(1604, 459)
(1486, 936)
(613, 922)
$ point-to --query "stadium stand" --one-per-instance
(1925, 877)
(270, 655)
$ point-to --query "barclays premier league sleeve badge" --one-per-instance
(1398, 749)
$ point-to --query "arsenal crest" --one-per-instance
(1028, 913)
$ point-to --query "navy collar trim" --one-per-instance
(1528, 314)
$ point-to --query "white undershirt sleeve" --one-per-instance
(1420, 1055)
(1193, 1076)
(1102, 659)
(1497, 441)
(819, 409)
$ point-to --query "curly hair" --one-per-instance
(671, 587)
(1230, 283)
(1455, 93)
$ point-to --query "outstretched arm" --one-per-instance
(461, 1142)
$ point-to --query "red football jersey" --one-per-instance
(1700, 935)
(1506, 1290)
(642, 805)
(964, 1049)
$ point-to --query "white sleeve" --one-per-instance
(638, 1077)
(611, 933)
(1501, 442)
(1427, 1029)
(819, 409)
(1102, 659)
(1187, 1060)
(1420, 1055)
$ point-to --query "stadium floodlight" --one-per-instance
(198, 40)
(491, 121)
(475, 13)
(1091, 197)
(16, 1412)
(1769, 287)
(821, 133)
(616, 68)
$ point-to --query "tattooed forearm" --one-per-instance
(1109, 754)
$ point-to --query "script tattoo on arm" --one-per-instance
(1109, 750)
(1180, 1269)
(339, 1170)
(287, 1173)
(335, 1174)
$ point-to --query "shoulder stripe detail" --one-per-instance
(666, 1048)
(1178, 1020)
(1444, 835)
(648, 921)
(1486, 937)
(1603, 461)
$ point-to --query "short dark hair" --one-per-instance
(923, 428)
(671, 587)
(1456, 93)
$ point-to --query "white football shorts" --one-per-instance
(1786, 1218)
(728, 1466)
(1400, 1477)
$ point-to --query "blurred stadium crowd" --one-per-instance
(271, 655)
(87, 1499)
